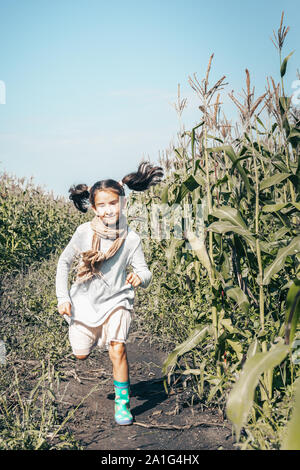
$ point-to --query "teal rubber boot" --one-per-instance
(123, 415)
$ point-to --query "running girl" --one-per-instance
(99, 304)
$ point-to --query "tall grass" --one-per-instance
(31, 420)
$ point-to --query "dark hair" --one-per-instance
(147, 175)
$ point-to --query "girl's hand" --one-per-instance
(133, 279)
(65, 309)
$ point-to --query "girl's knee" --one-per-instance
(82, 357)
(117, 350)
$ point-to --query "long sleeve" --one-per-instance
(139, 265)
(63, 267)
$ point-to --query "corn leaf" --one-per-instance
(292, 435)
(231, 214)
(186, 187)
(170, 252)
(227, 324)
(296, 205)
(278, 263)
(199, 333)
(284, 105)
(193, 138)
(233, 157)
(253, 348)
(179, 154)
(279, 234)
(284, 64)
(237, 294)
(240, 399)
(164, 195)
(273, 180)
(224, 227)
(292, 311)
(280, 165)
(199, 247)
(275, 207)
(200, 180)
(237, 347)
(294, 137)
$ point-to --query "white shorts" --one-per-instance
(84, 338)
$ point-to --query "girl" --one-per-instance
(99, 304)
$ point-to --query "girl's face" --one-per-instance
(108, 206)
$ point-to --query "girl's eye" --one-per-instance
(111, 204)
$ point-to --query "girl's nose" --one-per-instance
(109, 213)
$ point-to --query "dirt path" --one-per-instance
(162, 421)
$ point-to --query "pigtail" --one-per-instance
(147, 175)
(80, 196)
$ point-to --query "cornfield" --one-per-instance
(241, 268)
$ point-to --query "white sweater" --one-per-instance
(93, 301)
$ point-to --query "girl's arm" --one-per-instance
(63, 267)
(139, 265)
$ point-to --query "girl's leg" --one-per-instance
(82, 339)
(118, 356)
(82, 357)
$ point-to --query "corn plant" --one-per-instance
(33, 224)
(248, 188)
(241, 397)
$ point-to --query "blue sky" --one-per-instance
(89, 83)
